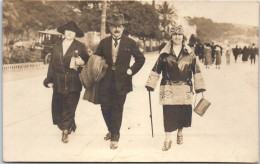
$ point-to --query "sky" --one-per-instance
(238, 12)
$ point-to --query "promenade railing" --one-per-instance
(22, 66)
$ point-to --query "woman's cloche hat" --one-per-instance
(177, 30)
(72, 26)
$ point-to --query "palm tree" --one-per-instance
(168, 14)
(103, 20)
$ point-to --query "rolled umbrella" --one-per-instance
(151, 116)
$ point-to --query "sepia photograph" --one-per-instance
(130, 81)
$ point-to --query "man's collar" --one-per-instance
(118, 38)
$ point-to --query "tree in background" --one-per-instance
(10, 17)
(23, 19)
(103, 20)
(143, 19)
(168, 14)
(90, 17)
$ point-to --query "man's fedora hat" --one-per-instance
(117, 19)
(71, 26)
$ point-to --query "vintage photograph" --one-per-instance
(130, 81)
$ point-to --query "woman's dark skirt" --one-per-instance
(176, 117)
(63, 109)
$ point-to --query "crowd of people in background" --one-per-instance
(210, 54)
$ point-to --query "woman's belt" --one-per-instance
(173, 82)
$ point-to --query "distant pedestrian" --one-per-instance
(207, 53)
(245, 54)
(218, 54)
(228, 54)
(199, 50)
(253, 53)
(177, 63)
(63, 76)
(236, 52)
(213, 46)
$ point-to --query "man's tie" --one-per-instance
(116, 41)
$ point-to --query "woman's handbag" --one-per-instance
(202, 106)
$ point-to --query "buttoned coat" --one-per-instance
(64, 78)
(127, 49)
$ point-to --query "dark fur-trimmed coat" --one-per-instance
(176, 85)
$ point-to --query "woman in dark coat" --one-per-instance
(236, 52)
(178, 65)
(218, 54)
(245, 53)
(208, 58)
(63, 76)
(200, 52)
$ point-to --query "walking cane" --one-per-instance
(151, 116)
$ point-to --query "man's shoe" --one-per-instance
(72, 128)
(108, 136)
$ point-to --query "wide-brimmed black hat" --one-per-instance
(117, 19)
(72, 26)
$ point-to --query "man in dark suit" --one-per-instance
(117, 82)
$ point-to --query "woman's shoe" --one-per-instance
(108, 136)
(65, 136)
(166, 145)
(73, 128)
(113, 145)
(179, 139)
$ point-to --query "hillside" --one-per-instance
(209, 31)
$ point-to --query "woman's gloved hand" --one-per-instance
(79, 61)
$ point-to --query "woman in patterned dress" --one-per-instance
(177, 63)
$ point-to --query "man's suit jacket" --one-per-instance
(127, 48)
